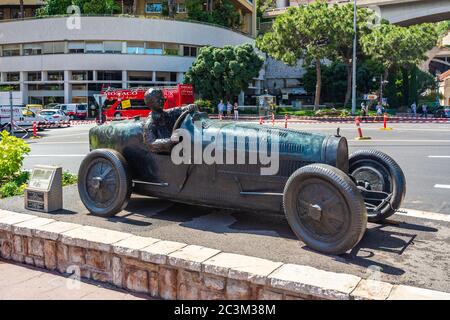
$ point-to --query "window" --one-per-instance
(181, 8)
(81, 87)
(45, 87)
(34, 76)
(171, 49)
(109, 75)
(140, 76)
(11, 50)
(135, 47)
(153, 48)
(2, 14)
(153, 8)
(12, 76)
(30, 49)
(53, 47)
(173, 76)
(189, 51)
(55, 75)
(112, 46)
(79, 75)
(94, 47)
(76, 47)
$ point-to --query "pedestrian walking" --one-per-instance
(424, 111)
(379, 110)
(236, 111)
(229, 108)
(221, 108)
(364, 112)
(414, 109)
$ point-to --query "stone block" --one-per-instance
(50, 254)
(237, 290)
(213, 283)
(77, 255)
(402, 292)
(368, 289)
(130, 247)
(157, 252)
(62, 257)
(191, 257)
(117, 272)
(36, 247)
(93, 238)
(311, 281)
(10, 218)
(53, 230)
(167, 283)
(26, 228)
(136, 280)
(98, 260)
(240, 267)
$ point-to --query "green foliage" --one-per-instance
(68, 178)
(223, 72)
(224, 13)
(394, 46)
(205, 105)
(12, 151)
(11, 189)
(59, 7)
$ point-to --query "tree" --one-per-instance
(169, 8)
(59, 7)
(22, 10)
(343, 35)
(224, 72)
(399, 47)
(301, 33)
(220, 12)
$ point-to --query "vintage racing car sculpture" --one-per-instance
(326, 195)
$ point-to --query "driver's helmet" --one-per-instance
(154, 99)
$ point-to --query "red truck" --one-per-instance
(128, 103)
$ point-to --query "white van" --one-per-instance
(23, 117)
(73, 110)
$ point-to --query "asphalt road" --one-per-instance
(412, 251)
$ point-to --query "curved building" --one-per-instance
(68, 59)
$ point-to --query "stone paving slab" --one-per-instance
(130, 247)
(191, 257)
(25, 228)
(402, 292)
(30, 283)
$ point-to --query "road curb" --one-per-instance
(174, 270)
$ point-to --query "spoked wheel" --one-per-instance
(103, 182)
(376, 171)
(325, 208)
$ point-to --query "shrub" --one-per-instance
(205, 105)
(10, 189)
(12, 151)
(68, 178)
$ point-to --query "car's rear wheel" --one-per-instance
(104, 184)
(324, 208)
(376, 171)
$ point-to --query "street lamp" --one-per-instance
(354, 60)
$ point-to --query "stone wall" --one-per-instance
(174, 270)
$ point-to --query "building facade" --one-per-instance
(68, 59)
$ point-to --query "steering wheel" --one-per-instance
(180, 120)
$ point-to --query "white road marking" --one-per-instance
(442, 186)
(425, 215)
(62, 142)
(54, 155)
(438, 156)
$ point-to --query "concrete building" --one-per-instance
(444, 88)
(70, 59)
(10, 9)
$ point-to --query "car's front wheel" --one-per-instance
(325, 208)
(376, 171)
(104, 184)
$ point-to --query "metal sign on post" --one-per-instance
(44, 191)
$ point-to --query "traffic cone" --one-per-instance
(261, 120)
(360, 134)
(273, 119)
(385, 128)
(285, 121)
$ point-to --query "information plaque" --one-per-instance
(44, 191)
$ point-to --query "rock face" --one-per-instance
(174, 270)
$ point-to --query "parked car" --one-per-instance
(23, 117)
(34, 107)
(55, 117)
(73, 110)
(326, 195)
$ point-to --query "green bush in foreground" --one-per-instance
(68, 178)
(12, 151)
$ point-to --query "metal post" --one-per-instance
(100, 103)
(11, 112)
(354, 60)
(381, 89)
